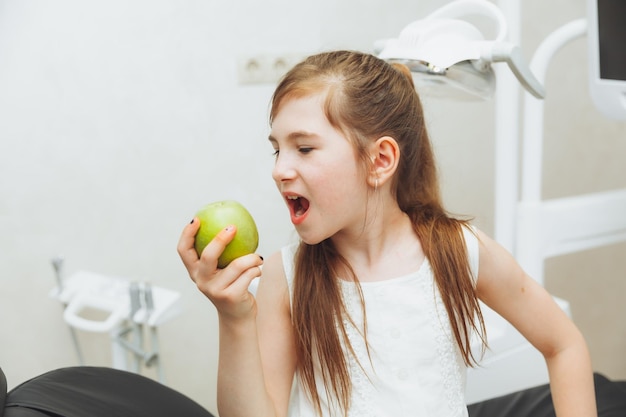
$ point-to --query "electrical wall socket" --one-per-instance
(265, 69)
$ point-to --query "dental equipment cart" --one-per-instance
(132, 312)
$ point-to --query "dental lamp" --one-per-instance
(450, 57)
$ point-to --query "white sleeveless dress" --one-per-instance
(416, 368)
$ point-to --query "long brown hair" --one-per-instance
(367, 98)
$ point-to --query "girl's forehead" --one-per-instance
(307, 100)
(300, 112)
(304, 118)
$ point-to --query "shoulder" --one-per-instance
(273, 288)
(497, 267)
(273, 271)
(288, 254)
(470, 236)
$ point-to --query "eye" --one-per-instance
(275, 153)
(305, 150)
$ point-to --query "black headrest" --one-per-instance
(3, 392)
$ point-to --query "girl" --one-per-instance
(373, 312)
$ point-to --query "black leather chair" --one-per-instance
(94, 392)
(537, 401)
(104, 392)
(3, 391)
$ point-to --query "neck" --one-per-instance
(385, 247)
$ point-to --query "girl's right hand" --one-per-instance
(226, 288)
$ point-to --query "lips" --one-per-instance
(298, 207)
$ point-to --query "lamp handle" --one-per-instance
(512, 55)
(461, 8)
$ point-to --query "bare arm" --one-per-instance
(242, 389)
(508, 290)
(276, 336)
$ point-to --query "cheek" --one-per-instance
(342, 186)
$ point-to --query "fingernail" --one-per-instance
(261, 258)
(228, 228)
(192, 220)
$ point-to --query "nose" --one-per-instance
(283, 169)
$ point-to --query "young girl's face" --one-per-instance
(317, 171)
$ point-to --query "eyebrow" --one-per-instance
(299, 134)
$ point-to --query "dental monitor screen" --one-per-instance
(607, 56)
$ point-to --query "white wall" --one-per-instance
(119, 119)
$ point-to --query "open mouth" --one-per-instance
(298, 206)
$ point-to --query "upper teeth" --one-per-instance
(292, 197)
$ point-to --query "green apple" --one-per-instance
(216, 216)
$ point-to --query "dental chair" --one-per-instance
(85, 391)
(537, 401)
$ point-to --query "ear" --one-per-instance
(385, 156)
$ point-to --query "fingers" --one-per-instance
(186, 248)
(186, 244)
(214, 249)
(249, 268)
(227, 288)
(234, 279)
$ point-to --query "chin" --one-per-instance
(310, 239)
(311, 242)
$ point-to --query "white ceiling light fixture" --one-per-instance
(449, 56)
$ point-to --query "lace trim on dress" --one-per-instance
(362, 388)
(446, 349)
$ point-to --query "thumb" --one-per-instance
(217, 245)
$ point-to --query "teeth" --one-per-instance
(292, 197)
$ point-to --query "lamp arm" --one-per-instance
(460, 8)
(512, 55)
